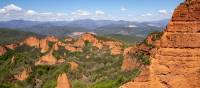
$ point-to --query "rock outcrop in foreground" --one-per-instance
(63, 81)
(176, 63)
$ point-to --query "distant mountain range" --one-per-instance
(102, 27)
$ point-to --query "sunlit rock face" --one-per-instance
(176, 62)
(55, 47)
(47, 59)
(63, 81)
(72, 48)
(2, 50)
(115, 47)
(23, 75)
(32, 42)
(38, 43)
(90, 38)
(44, 45)
(129, 62)
(73, 65)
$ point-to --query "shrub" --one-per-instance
(142, 57)
(79, 84)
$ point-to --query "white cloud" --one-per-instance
(147, 14)
(163, 11)
(132, 26)
(31, 12)
(60, 14)
(2, 11)
(81, 13)
(123, 8)
(46, 13)
(12, 7)
(99, 12)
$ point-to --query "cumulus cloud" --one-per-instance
(2, 11)
(123, 9)
(163, 11)
(31, 12)
(99, 12)
(14, 12)
(10, 8)
(81, 13)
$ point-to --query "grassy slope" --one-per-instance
(126, 38)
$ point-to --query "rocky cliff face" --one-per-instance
(39, 43)
(63, 81)
(115, 47)
(2, 50)
(129, 62)
(44, 45)
(175, 63)
(90, 38)
(32, 42)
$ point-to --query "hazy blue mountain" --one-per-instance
(18, 23)
(61, 28)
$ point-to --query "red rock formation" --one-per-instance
(44, 46)
(11, 46)
(90, 38)
(61, 43)
(175, 63)
(55, 47)
(129, 62)
(60, 61)
(115, 47)
(71, 48)
(142, 81)
(79, 43)
(37, 43)
(73, 65)
(63, 81)
(23, 75)
(32, 42)
(48, 59)
(2, 50)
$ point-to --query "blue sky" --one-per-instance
(57, 10)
